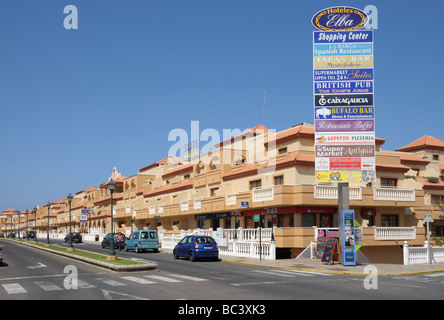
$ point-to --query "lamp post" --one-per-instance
(235, 214)
(112, 187)
(27, 224)
(35, 223)
(272, 211)
(70, 235)
(48, 205)
(18, 224)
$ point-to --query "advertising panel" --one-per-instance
(349, 138)
(343, 36)
(343, 49)
(342, 74)
(343, 100)
(345, 125)
(339, 62)
(338, 113)
(339, 19)
(347, 237)
(343, 87)
(341, 151)
(338, 100)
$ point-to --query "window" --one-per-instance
(435, 157)
(213, 191)
(437, 200)
(389, 182)
(278, 180)
(389, 220)
(186, 177)
(255, 184)
(282, 150)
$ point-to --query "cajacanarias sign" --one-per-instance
(339, 19)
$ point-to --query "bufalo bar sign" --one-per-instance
(343, 83)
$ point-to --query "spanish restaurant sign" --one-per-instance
(343, 96)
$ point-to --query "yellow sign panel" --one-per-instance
(345, 176)
(342, 62)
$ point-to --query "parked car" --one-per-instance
(75, 236)
(1, 259)
(31, 235)
(2, 235)
(195, 247)
(107, 238)
(142, 240)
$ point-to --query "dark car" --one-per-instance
(75, 236)
(31, 235)
(195, 247)
(107, 238)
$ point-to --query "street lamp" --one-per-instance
(70, 235)
(272, 211)
(112, 187)
(27, 224)
(18, 224)
(48, 205)
(35, 223)
(235, 214)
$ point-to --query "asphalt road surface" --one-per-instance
(32, 274)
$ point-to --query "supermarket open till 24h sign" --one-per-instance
(343, 96)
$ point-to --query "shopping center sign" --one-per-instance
(343, 96)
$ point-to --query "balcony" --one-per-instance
(331, 192)
(393, 194)
(263, 194)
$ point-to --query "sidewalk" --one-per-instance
(315, 265)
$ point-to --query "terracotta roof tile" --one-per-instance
(424, 142)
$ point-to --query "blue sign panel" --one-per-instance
(342, 36)
(347, 238)
(343, 113)
(342, 74)
(342, 49)
(339, 18)
(343, 87)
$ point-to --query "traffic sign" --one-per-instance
(256, 218)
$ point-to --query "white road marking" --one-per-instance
(138, 280)
(163, 278)
(48, 285)
(14, 288)
(182, 276)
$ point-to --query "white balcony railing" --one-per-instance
(395, 233)
(331, 192)
(393, 194)
(263, 194)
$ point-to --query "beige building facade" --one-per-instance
(266, 173)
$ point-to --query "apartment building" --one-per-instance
(271, 174)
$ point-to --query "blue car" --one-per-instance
(195, 247)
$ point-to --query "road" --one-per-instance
(30, 274)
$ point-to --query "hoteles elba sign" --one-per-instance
(343, 96)
(339, 19)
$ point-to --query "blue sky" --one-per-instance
(76, 103)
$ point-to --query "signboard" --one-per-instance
(347, 238)
(256, 218)
(343, 96)
(329, 250)
(320, 247)
(245, 204)
(339, 19)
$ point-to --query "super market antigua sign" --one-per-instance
(339, 19)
